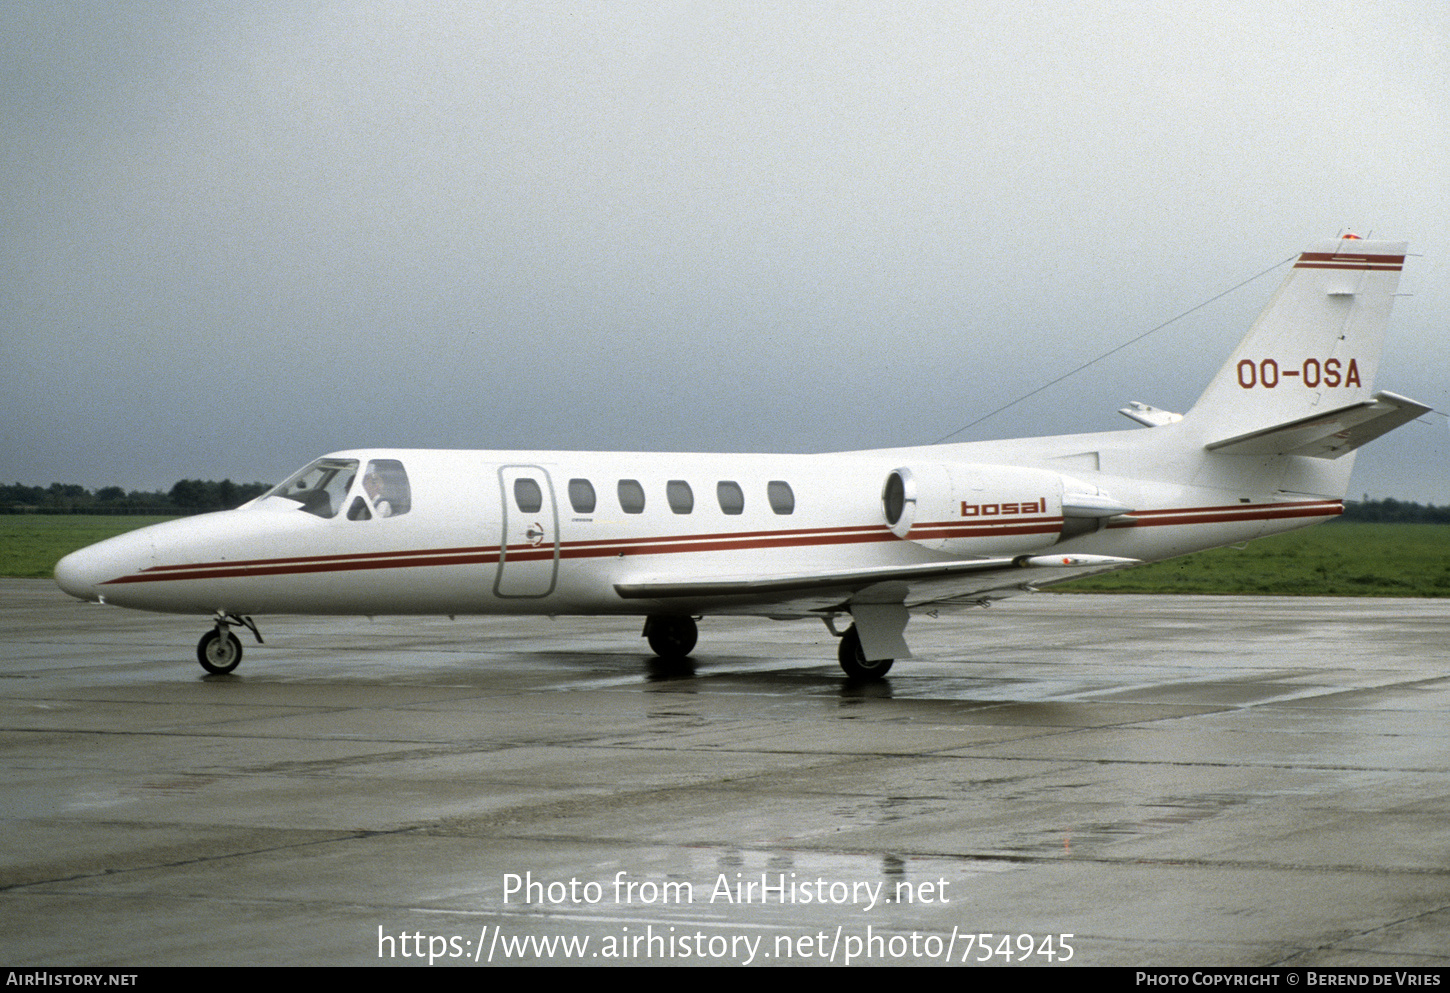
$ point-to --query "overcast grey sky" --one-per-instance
(239, 235)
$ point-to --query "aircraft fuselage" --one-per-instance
(474, 539)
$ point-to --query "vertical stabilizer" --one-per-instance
(1316, 346)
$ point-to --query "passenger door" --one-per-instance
(528, 562)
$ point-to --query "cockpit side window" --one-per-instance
(321, 487)
(385, 484)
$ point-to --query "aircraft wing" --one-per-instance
(924, 583)
(1328, 435)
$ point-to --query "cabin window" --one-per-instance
(731, 497)
(320, 488)
(631, 496)
(527, 495)
(681, 497)
(782, 498)
(385, 484)
(581, 496)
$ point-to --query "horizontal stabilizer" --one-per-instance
(1328, 435)
(1149, 416)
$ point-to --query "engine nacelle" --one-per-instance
(971, 509)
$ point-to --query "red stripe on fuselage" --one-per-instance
(1230, 512)
(723, 541)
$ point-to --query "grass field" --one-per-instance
(1335, 559)
(31, 544)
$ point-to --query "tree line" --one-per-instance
(188, 496)
(1392, 511)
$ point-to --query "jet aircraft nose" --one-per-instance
(83, 574)
(79, 574)
(83, 571)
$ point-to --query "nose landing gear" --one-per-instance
(220, 651)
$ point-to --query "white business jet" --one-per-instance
(859, 538)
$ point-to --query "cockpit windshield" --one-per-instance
(320, 488)
(323, 487)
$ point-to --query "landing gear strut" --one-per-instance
(220, 651)
(853, 658)
(671, 637)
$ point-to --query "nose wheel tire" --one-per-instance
(853, 658)
(219, 652)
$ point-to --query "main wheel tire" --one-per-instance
(672, 637)
(219, 652)
(853, 658)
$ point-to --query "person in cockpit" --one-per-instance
(374, 487)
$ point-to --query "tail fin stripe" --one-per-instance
(1331, 260)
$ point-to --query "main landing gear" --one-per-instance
(220, 651)
(853, 658)
(671, 636)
